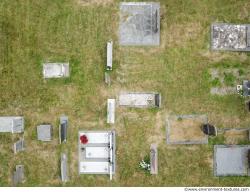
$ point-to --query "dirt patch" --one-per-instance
(94, 2)
(186, 129)
(234, 136)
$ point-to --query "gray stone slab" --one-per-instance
(19, 146)
(153, 159)
(12, 124)
(231, 160)
(44, 132)
(231, 37)
(111, 111)
(107, 78)
(223, 91)
(18, 176)
(246, 88)
(63, 129)
(139, 23)
(248, 36)
(64, 168)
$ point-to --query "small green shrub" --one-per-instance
(241, 72)
(229, 79)
(216, 82)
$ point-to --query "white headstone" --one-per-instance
(111, 111)
(109, 55)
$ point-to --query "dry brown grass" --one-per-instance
(180, 34)
(186, 129)
(244, 13)
(215, 57)
(226, 121)
(234, 136)
(157, 134)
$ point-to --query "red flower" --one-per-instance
(84, 139)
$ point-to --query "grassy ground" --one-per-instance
(77, 31)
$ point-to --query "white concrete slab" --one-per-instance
(96, 137)
(111, 111)
(97, 152)
(94, 167)
(139, 99)
(55, 70)
(109, 55)
(97, 155)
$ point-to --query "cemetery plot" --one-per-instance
(224, 80)
(97, 152)
(12, 124)
(230, 37)
(153, 159)
(18, 176)
(231, 160)
(111, 111)
(19, 146)
(44, 132)
(63, 129)
(64, 167)
(186, 129)
(55, 70)
(139, 23)
(140, 100)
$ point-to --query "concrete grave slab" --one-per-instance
(231, 160)
(231, 37)
(139, 23)
(44, 132)
(12, 124)
(97, 152)
(140, 99)
(55, 70)
(19, 146)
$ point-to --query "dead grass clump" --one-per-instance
(234, 136)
